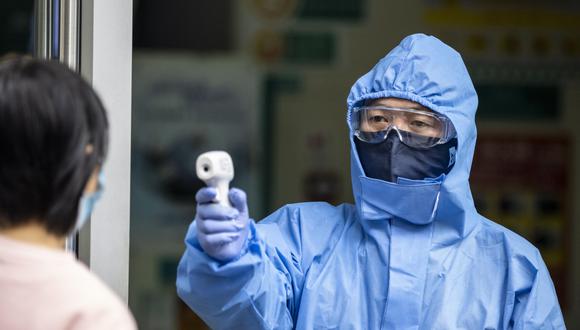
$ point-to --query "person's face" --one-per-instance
(411, 122)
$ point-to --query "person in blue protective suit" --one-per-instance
(412, 253)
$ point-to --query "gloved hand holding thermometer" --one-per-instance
(222, 213)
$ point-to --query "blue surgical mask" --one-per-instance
(392, 160)
(87, 203)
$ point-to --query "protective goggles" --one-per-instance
(374, 123)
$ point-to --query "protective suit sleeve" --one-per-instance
(535, 302)
(254, 291)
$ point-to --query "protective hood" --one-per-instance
(424, 70)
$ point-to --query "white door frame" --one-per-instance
(106, 62)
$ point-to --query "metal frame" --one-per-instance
(69, 26)
(60, 17)
(106, 61)
(95, 39)
(43, 28)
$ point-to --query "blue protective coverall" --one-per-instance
(407, 255)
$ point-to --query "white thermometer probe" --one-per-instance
(216, 169)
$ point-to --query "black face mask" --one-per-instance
(391, 158)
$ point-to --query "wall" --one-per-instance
(302, 146)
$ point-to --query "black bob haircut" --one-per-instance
(49, 119)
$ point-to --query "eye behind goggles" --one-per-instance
(416, 128)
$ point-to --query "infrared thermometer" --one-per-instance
(216, 169)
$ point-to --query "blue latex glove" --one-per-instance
(221, 231)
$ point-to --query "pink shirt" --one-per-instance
(48, 289)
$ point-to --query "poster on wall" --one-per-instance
(523, 183)
(182, 106)
(525, 33)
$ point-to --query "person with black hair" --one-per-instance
(53, 141)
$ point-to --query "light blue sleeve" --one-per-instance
(255, 291)
(535, 303)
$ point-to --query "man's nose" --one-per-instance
(400, 123)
